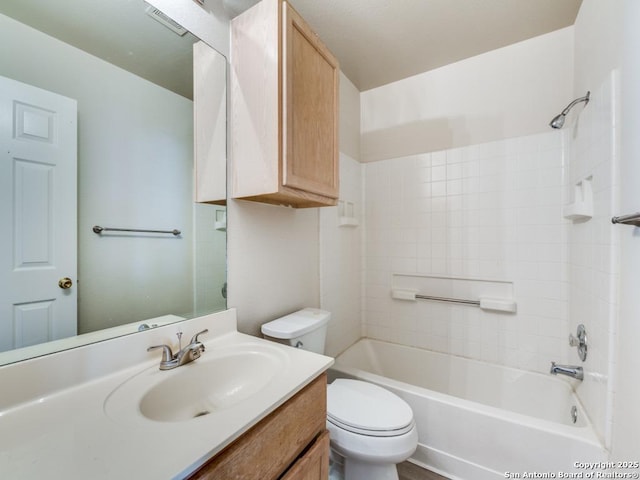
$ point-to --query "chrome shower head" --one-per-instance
(558, 120)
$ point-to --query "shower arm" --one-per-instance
(584, 99)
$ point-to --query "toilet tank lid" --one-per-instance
(297, 323)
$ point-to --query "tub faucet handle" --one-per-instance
(579, 341)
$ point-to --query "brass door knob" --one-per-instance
(65, 283)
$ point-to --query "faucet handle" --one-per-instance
(167, 354)
(580, 341)
(194, 339)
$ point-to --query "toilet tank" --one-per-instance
(306, 329)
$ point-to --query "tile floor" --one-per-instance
(409, 471)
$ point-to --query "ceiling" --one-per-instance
(381, 41)
(118, 31)
(376, 41)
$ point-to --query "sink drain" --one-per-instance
(201, 414)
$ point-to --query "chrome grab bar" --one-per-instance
(98, 229)
(485, 303)
(633, 219)
(449, 300)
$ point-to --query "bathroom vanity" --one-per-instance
(246, 407)
(291, 443)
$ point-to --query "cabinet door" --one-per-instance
(209, 123)
(313, 465)
(310, 110)
(276, 442)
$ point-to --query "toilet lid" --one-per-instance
(367, 409)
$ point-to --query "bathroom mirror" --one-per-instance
(120, 78)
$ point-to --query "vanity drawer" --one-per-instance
(269, 448)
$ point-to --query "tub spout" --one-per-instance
(568, 370)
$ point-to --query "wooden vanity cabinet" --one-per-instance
(314, 464)
(284, 102)
(291, 443)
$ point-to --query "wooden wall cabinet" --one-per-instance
(209, 123)
(284, 102)
(291, 443)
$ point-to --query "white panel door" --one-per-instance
(38, 170)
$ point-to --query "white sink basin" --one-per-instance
(220, 379)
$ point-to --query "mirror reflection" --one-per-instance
(96, 120)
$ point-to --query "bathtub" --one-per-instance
(476, 420)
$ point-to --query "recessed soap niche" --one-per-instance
(581, 209)
(221, 220)
(347, 214)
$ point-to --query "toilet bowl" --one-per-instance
(370, 428)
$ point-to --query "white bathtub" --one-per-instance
(477, 420)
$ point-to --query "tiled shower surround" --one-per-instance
(495, 212)
(490, 211)
(594, 246)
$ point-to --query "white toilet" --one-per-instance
(371, 428)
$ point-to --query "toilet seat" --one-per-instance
(367, 409)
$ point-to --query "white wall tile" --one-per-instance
(594, 247)
(341, 256)
(488, 211)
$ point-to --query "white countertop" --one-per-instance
(65, 432)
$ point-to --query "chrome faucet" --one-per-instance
(185, 355)
(568, 370)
